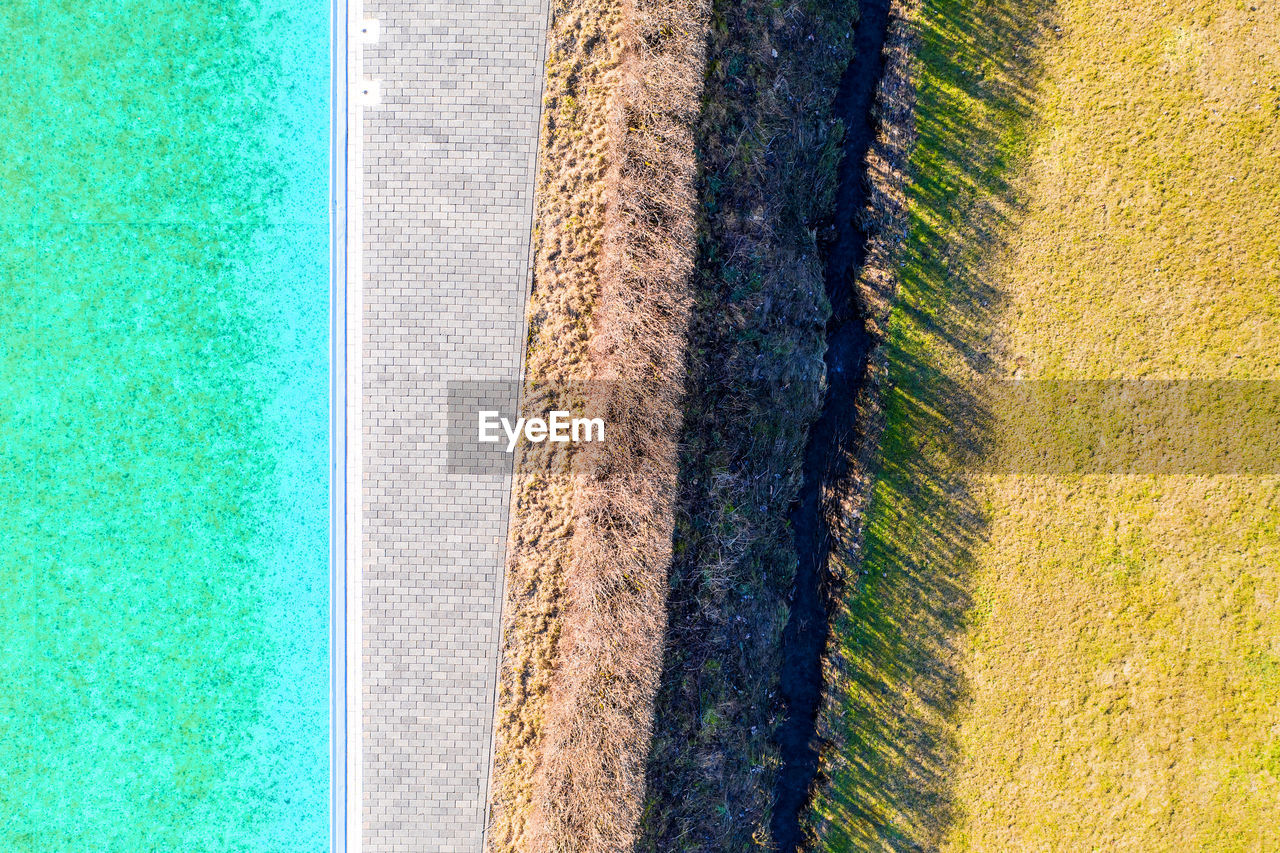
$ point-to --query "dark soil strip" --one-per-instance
(833, 438)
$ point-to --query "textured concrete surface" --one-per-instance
(448, 160)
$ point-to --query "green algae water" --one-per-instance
(164, 425)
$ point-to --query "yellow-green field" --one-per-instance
(1083, 662)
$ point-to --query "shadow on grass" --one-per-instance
(894, 682)
(768, 151)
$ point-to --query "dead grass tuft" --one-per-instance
(583, 56)
(591, 534)
(589, 785)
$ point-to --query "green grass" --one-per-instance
(1086, 661)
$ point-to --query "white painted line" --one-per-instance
(339, 484)
(354, 520)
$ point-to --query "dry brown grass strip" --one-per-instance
(591, 534)
(584, 50)
(590, 783)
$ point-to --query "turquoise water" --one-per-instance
(164, 425)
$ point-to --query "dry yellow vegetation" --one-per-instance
(580, 85)
(590, 542)
(1081, 661)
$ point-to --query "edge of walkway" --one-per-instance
(352, 94)
(535, 168)
(340, 410)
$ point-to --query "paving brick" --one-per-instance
(448, 172)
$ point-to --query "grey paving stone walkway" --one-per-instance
(448, 173)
